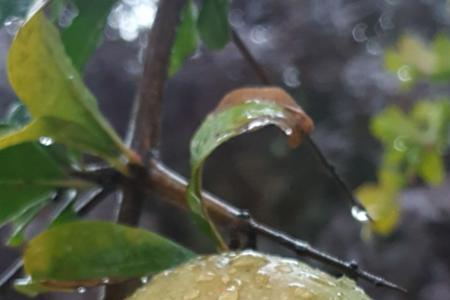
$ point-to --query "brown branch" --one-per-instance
(145, 122)
(265, 79)
(173, 187)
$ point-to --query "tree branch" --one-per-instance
(265, 79)
(173, 187)
(145, 122)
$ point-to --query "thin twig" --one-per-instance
(173, 187)
(265, 79)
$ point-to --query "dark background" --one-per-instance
(328, 54)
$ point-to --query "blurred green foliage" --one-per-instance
(412, 59)
(414, 145)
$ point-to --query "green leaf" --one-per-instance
(28, 176)
(186, 39)
(241, 111)
(47, 83)
(86, 253)
(431, 168)
(70, 133)
(82, 36)
(213, 23)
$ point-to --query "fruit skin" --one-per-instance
(247, 275)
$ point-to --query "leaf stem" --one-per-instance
(265, 79)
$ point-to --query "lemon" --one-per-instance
(247, 275)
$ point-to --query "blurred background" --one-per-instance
(339, 59)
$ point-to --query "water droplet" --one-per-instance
(105, 280)
(291, 77)
(360, 214)
(45, 141)
(404, 73)
(284, 268)
(399, 144)
(144, 280)
(386, 21)
(12, 24)
(259, 34)
(68, 14)
(359, 32)
(191, 295)
(81, 290)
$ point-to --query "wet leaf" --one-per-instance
(47, 83)
(28, 176)
(213, 23)
(82, 37)
(186, 39)
(241, 111)
(70, 133)
(87, 253)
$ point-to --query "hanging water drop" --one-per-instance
(105, 280)
(45, 141)
(360, 214)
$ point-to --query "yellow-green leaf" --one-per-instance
(382, 206)
(89, 253)
(45, 80)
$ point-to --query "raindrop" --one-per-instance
(291, 77)
(386, 21)
(359, 32)
(259, 34)
(68, 14)
(404, 73)
(12, 24)
(81, 290)
(399, 144)
(45, 141)
(360, 214)
(144, 280)
(236, 18)
(105, 280)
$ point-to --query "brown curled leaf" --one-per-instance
(241, 111)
